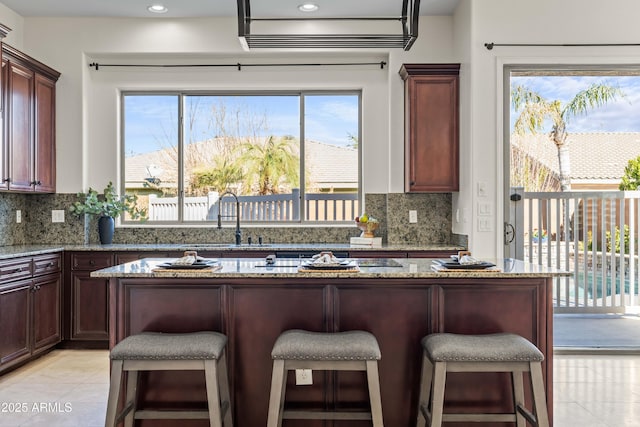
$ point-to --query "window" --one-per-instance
(287, 157)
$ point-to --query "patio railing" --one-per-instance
(592, 234)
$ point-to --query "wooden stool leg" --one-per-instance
(425, 389)
(225, 396)
(437, 399)
(213, 395)
(114, 392)
(518, 397)
(374, 393)
(539, 399)
(276, 399)
(131, 397)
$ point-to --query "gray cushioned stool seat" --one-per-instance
(502, 352)
(155, 351)
(304, 345)
(161, 346)
(502, 347)
(324, 351)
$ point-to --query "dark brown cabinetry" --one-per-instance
(30, 307)
(28, 163)
(87, 316)
(252, 312)
(431, 127)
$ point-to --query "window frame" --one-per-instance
(182, 94)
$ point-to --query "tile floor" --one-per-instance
(68, 388)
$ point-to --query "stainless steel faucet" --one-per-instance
(238, 232)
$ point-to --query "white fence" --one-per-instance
(269, 208)
(592, 234)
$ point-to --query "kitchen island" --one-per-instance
(398, 300)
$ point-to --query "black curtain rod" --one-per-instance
(490, 46)
(238, 65)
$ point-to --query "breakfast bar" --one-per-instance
(399, 301)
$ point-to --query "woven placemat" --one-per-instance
(442, 269)
(187, 270)
(320, 270)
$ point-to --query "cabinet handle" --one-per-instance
(37, 287)
(92, 262)
(6, 180)
(51, 264)
(412, 183)
(18, 270)
(34, 183)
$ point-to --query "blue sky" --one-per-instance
(150, 121)
(621, 115)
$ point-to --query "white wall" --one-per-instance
(87, 133)
(14, 21)
(542, 21)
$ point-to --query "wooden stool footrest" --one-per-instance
(325, 415)
(478, 418)
(171, 415)
(527, 414)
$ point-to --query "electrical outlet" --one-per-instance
(57, 215)
(304, 377)
(18, 216)
(413, 217)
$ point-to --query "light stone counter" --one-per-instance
(371, 268)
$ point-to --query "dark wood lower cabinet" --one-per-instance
(399, 312)
(30, 308)
(47, 330)
(90, 317)
(15, 318)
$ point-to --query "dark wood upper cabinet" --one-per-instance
(29, 160)
(19, 126)
(431, 127)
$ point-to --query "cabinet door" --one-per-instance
(46, 312)
(19, 124)
(15, 316)
(90, 312)
(431, 127)
(45, 146)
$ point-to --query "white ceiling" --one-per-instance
(209, 8)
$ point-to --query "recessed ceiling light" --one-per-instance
(308, 7)
(157, 8)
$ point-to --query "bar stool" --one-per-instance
(480, 353)
(153, 351)
(345, 351)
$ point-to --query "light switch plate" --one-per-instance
(18, 216)
(57, 215)
(484, 224)
(413, 217)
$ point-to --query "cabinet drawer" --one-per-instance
(46, 264)
(90, 261)
(19, 268)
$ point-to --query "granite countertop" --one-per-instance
(31, 250)
(256, 268)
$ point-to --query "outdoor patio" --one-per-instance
(585, 333)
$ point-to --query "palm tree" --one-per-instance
(269, 163)
(536, 110)
(220, 177)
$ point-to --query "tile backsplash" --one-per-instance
(392, 210)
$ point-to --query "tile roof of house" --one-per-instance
(329, 165)
(593, 155)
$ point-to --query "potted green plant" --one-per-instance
(107, 206)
